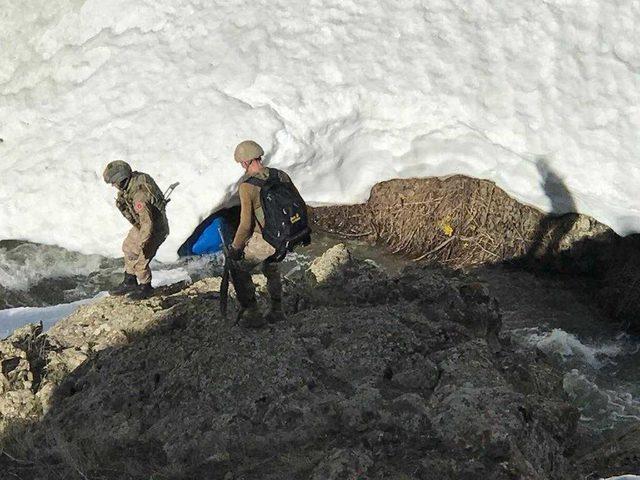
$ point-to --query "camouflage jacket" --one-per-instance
(143, 205)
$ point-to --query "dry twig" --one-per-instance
(442, 245)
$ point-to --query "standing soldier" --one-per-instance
(263, 238)
(142, 203)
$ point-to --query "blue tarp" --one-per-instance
(209, 240)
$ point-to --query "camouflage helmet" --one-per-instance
(247, 151)
(116, 172)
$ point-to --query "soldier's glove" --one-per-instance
(234, 254)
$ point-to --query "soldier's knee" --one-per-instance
(131, 249)
(130, 257)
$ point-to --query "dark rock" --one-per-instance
(375, 377)
(343, 464)
(617, 453)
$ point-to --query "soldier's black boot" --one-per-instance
(275, 313)
(141, 292)
(128, 284)
(250, 316)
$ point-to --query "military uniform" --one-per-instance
(142, 203)
(256, 250)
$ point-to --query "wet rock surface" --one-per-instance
(371, 377)
(618, 451)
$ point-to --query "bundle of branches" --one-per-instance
(458, 221)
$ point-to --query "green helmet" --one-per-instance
(247, 151)
(116, 172)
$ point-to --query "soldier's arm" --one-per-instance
(245, 229)
(143, 209)
(122, 206)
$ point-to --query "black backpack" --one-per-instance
(285, 215)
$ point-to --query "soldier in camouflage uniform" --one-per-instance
(141, 202)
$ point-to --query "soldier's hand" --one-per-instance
(121, 205)
(234, 254)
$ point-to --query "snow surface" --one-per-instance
(14, 318)
(169, 276)
(341, 93)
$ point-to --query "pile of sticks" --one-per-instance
(457, 221)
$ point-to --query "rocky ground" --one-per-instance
(371, 377)
(466, 223)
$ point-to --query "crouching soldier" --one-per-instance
(273, 220)
(143, 205)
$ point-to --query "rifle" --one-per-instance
(167, 193)
(224, 284)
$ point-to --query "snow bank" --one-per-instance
(342, 94)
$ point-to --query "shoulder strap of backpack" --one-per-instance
(258, 182)
(273, 175)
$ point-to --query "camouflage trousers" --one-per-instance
(256, 252)
(137, 256)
